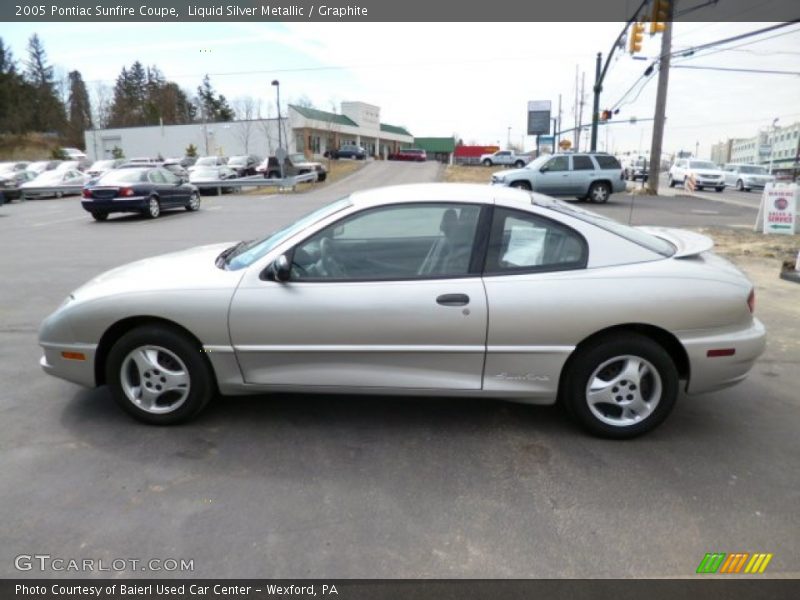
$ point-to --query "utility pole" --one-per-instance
(557, 132)
(598, 87)
(580, 116)
(661, 106)
(575, 111)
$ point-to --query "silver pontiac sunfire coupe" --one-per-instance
(435, 289)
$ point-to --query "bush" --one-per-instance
(191, 151)
(117, 152)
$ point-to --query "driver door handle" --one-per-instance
(453, 300)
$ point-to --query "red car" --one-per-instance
(415, 154)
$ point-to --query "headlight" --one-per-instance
(67, 300)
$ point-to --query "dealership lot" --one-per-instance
(322, 486)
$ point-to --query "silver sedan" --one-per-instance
(436, 289)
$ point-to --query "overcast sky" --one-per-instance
(468, 79)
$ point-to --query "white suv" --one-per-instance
(705, 172)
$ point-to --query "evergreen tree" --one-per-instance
(47, 111)
(212, 107)
(80, 111)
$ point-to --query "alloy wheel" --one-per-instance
(624, 390)
(154, 379)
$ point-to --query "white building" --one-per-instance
(307, 130)
(781, 145)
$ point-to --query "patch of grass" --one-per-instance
(740, 242)
(468, 173)
(337, 169)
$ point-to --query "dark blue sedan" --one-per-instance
(145, 190)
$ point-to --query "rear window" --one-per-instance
(607, 162)
(582, 163)
(637, 236)
(122, 176)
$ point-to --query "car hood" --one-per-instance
(308, 165)
(512, 173)
(687, 243)
(191, 269)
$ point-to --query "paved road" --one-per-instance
(296, 486)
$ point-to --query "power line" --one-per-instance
(734, 38)
(762, 71)
(690, 53)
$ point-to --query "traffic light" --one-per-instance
(659, 15)
(605, 115)
(637, 35)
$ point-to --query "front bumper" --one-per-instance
(708, 374)
(109, 205)
(55, 362)
(709, 182)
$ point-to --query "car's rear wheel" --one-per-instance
(521, 185)
(153, 208)
(671, 182)
(740, 186)
(620, 387)
(519, 164)
(194, 202)
(158, 375)
(599, 192)
(100, 216)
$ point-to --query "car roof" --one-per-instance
(442, 192)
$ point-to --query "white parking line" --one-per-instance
(698, 211)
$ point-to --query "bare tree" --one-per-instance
(264, 122)
(245, 108)
(332, 128)
(101, 104)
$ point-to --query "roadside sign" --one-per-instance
(779, 208)
(565, 144)
(538, 117)
(547, 140)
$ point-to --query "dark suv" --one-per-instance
(350, 151)
(295, 164)
(244, 164)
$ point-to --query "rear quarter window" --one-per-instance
(607, 162)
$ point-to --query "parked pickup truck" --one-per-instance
(295, 164)
(505, 157)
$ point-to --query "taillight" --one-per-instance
(751, 301)
(86, 193)
(126, 191)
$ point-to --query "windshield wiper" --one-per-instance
(222, 259)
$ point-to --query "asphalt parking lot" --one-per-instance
(325, 486)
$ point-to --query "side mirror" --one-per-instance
(281, 270)
(544, 169)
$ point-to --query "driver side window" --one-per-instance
(404, 241)
(558, 163)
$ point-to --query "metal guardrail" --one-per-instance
(239, 182)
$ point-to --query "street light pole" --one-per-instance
(772, 143)
(508, 142)
(277, 85)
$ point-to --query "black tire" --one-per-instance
(519, 164)
(671, 182)
(274, 175)
(521, 185)
(193, 204)
(153, 209)
(740, 185)
(720, 189)
(698, 188)
(487, 163)
(322, 177)
(100, 216)
(599, 192)
(202, 386)
(582, 367)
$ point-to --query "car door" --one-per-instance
(526, 273)
(178, 193)
(582, 175)
(553, 176)
(387, 298)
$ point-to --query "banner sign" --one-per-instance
(779, 206)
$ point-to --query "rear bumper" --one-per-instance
(715, 373)
(135, 204)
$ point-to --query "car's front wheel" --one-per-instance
(671, 182)
(194, 202)
(599, 192)
(521, 185)
(158, 375)
(153, 208)
(620, 386)
(720, 188)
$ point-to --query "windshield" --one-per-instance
(297, 158)
(205, 172)
(538, 162)
(632, 234)
(238, 160)
(702, 164)
(103, 164)
(252, 251)
(753, 170)
(50, 176)
(206, 160)
(121, 176)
